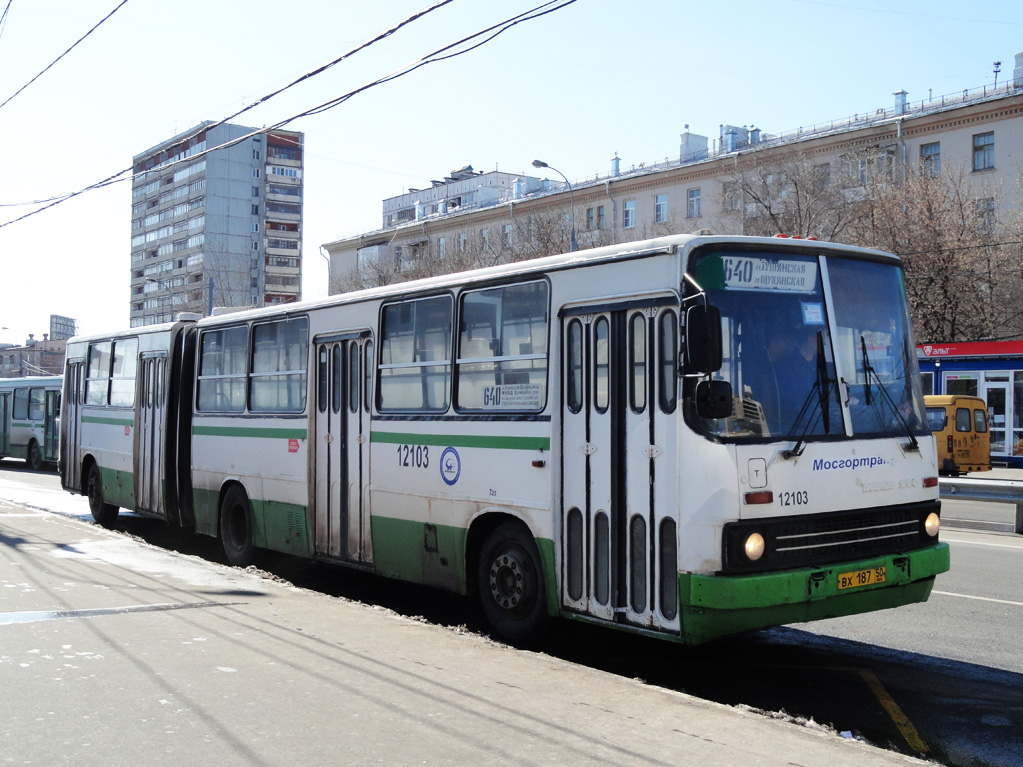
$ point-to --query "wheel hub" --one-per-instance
(508, 580)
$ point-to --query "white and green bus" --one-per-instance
(689, 436)
(30, 419)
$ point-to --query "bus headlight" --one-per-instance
(932, 523)
(754, 547)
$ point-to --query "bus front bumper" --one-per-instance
(718, 605)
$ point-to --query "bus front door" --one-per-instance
(341, 449)
(71, 424)
(619, 527)
(149, 432)
(51, 426)
(5, 431)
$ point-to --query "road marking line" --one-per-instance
(49, 615)
(905, 726)
(983, 599)
(981, 543)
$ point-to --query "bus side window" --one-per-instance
(280, 353)
(963, 421)
(415, 355)
(98, 379)
(122, 379)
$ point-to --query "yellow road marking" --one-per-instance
(901, 720)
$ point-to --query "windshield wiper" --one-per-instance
(871, 375)
(822, 388)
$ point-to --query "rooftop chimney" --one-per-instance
(1017, 73)
(900, 102)
(615, 165)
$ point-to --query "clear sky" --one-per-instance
(571, 88)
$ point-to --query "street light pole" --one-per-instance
(571, 195)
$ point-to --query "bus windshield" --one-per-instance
(815, 347)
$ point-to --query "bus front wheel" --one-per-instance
(236, 528)
(510, 584)
(104, 513)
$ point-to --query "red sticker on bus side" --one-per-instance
(292, 445)
(127, 431)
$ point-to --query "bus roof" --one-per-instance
(623, 251)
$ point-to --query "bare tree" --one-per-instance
(789, 194)
(963, 267)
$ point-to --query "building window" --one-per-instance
(255, 227)
(660, 208)
(600, 216)
(255, 210)
(485, 237)
(589, 218)
(255, 172)
(442, 247)
(255, 245)
(986, 215)
(506, 238)
(930, 159)
(629, 214)
(693, 203)
(730, 194)
(255, 154)
(984, 151)
(255, 191)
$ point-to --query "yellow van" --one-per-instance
(959, 424)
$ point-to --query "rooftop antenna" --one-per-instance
(998, 68)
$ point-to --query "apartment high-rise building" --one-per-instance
(216, 226)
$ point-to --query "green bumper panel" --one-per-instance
(718, 605)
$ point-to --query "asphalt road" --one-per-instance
(943, 679)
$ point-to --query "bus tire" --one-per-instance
(510, 585)
(104, 513)
(35, 456)
(236, 528)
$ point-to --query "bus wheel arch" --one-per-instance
(510, 583)
(235, 525)
(104, 513)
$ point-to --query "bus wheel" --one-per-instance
(511, 585)
(236, 528)
(104, 513)
(35, 456)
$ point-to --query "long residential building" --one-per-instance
(718, 184)
(216, 220)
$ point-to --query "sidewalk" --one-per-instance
(115, 653)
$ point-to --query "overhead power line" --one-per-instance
(117, 177)
(3, 16)
(65, 53)
(449, 51)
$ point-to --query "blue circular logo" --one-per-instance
(450, 465)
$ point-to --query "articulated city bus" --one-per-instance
(688, 437)
(29, 419)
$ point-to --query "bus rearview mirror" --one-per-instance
(703, 339)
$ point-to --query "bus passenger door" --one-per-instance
(51, 426)
(149, 432)
(619, 525)
(5, 429)
(71, 424)
(341, 450)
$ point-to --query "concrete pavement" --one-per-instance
(116, 653)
